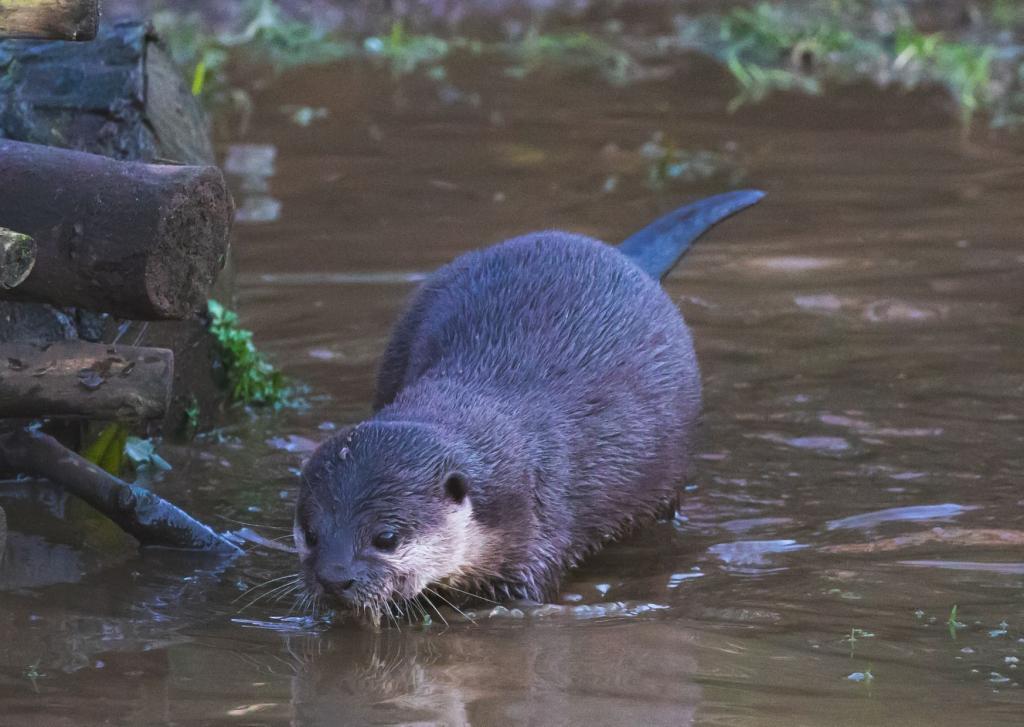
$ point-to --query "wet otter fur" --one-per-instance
(536, 400)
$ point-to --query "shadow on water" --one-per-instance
(860, 463)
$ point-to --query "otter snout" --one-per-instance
(339, 579)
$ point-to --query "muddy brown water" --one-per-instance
(861, 335)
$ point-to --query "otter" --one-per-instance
(536, 400)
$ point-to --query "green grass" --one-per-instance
(268, 38)
(801, 47)
(768, 47)
(404, 53)
(575, 51)
(965, 69)
(252, 379)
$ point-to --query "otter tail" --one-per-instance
(658, 247)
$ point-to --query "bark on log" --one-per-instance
(142, 514)
(141, 241)
(17, 257)
(49, 19)
(3, 532)
(87, 380)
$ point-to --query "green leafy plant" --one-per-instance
(190, 425)
(579, 50)
(790, 46)
(964, 68)
(142, 454)
(252, 379)
(113, 447)
(757, 82)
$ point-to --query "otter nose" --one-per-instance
(336, 578)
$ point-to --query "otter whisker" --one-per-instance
(411, 603)
(471, 595)
(269, 593)
(436, 609)
(264, 583)
(457, 609)
(294, 587)
(392, 606)
(253, 525)
(296, 601)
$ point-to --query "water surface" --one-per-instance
(860, 464)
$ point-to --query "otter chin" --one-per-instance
(537, 399)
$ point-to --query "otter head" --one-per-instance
(385, 511)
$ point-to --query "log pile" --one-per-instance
(96, 235)
(126, 268)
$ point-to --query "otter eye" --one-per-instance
(310, 536)
(386, 541)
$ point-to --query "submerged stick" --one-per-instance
(146, 516)
(17, 258)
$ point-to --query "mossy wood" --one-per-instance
(141, 241)
(17, 257)
(84, 380)
(49, 19)
(149, 518)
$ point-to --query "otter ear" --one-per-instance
(456, 487)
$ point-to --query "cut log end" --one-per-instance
(49, 19)
(190, 252)
(17, 258)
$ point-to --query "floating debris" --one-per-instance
(893, 514)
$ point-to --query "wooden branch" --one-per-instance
(149, 518)
(88, 380)
(3, 533)
(17, 257)
(49, 19)
(141, 241)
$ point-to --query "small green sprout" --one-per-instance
(33, 674)
(191, 423)
(855, 636)
(952, 623)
